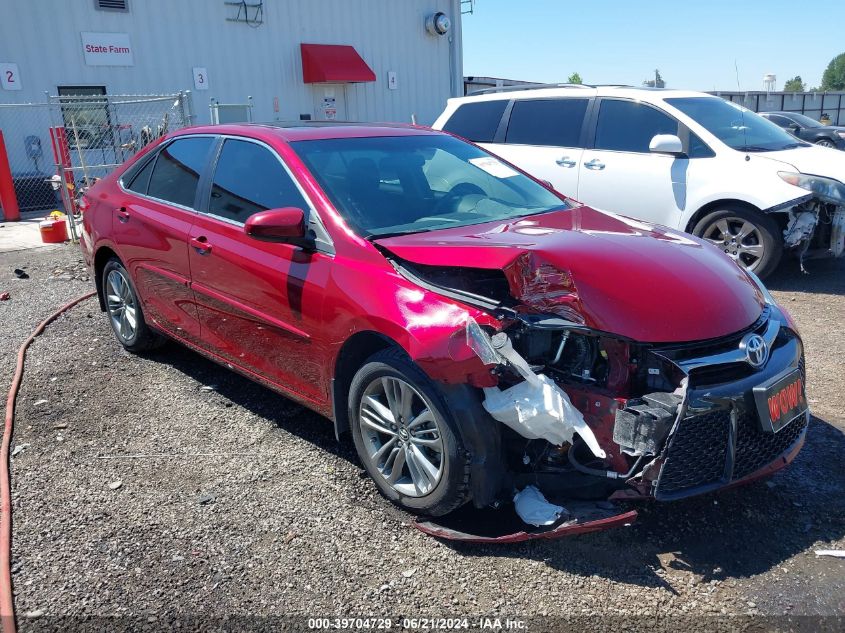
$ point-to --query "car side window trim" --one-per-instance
(502, 128)
(155, 154)
(315, 222)
(594, 120)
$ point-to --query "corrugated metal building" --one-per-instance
(229, 50)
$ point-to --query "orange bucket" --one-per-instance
(53, 229)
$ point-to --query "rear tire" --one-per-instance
(406, 437)
(124, 310)
(750, 238)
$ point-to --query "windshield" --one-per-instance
(735, 126)
(389, 185)
(804, 121)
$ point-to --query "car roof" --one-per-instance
(310, 130)
(641, 93)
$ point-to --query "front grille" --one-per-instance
(698, 449)
(755, 449)
(696, 453)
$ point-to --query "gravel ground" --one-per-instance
(160, 488)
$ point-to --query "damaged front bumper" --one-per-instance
(650, 421)
(722, 434)
(815, 227)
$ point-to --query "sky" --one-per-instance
(694, 43)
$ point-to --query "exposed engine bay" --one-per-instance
(815, 228)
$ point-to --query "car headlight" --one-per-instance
(840, 134)
(827, 189)
(778, 311)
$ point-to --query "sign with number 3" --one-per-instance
(9, 77)
(200, 78)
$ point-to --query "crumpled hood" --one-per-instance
(818, 161)
(648, 283)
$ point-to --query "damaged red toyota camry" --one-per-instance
(484, 340)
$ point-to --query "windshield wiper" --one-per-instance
(754, 148)
(380, 236)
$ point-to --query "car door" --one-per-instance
(150, 226)
(259, 303)
(619, 173)
(544, 137)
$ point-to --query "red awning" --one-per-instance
(332, 63)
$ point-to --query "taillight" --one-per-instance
(84, 203)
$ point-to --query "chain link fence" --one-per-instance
(66, 142)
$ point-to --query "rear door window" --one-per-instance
(477, 121)
(249, 178)
(553, 122)
(178, 168)
(627, 126)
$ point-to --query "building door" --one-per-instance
(330, 103)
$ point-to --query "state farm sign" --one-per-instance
(107, 49)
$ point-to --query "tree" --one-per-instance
(796, 84)
(574, 78)
(834, 75)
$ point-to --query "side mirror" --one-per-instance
(666, 144)
(286, 226)
(795, 128)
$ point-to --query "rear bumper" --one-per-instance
(719, 441)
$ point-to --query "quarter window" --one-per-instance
(142, 178)
(625, 126)
(555, 122)
(249, 178)
(477, 121)
(177, 170)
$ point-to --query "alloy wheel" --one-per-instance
(825, 143)
(739, 238)
(402, 436)
(121, 305)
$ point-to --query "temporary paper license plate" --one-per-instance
(780, 400)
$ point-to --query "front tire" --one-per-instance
(406, 437)
(826, 142)
(750, 238)
(124, 310)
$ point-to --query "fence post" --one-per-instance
(186, 106)
(8, 199)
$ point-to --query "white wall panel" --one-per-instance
(170, 37)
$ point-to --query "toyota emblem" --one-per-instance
(756, 350)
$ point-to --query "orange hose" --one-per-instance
(7, 605)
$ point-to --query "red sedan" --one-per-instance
(476, 333)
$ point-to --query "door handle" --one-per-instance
(594, 164)
(201, 245)
(122, 215)
(565, 161)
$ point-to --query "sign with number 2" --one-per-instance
(9, 76)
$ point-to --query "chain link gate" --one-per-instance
(65, 143)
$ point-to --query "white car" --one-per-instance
(687, 160)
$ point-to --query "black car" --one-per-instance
(808, 129)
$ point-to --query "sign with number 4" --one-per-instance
(200, 78)
(9, 77)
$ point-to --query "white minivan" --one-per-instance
(683, 159)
